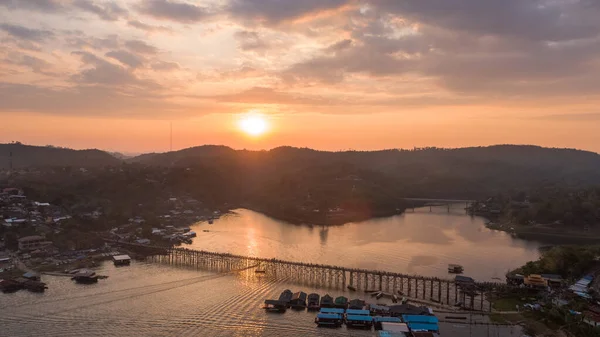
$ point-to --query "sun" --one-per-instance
(253, 124)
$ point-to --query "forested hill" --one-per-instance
(431, 172)
(44, 156)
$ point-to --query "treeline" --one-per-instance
(568, 261)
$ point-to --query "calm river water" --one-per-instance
(147, 299)
(419, 242)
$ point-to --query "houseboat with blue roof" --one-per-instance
(359, 321)
(331, 320)
(379, 320)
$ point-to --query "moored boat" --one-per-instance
(298, 301)
(85, 276)
(275, 306)
(326, 301)
(121, 260)
(286, 296)
(351, 288)
(329, 320)
(313, 302)
(356, 304)
(341, 302)
(455, 269)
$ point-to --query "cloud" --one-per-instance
(572, 117)
(273, 12)
(141, 47)
(165, 66)
(36, 5)
(109, 11)
(146, 27)
(174, 10)
(24, 33)
(535, 20)
(102, 72)
(249, 40)
(126, 58)
(82, 100)
(36, 64)
(263, 95)
(80, 42)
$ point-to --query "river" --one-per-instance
(419, 242)
(147, 299)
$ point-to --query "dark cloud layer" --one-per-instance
(277, 11)
(36, 5)
(25, 33)
(110, 11)
(173, 10)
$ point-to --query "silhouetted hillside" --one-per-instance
(432, 172)
(40, 156)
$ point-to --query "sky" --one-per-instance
(325, 74)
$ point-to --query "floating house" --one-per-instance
(359, 321)
(286, 296)
(356, 304)
(341, 302)
(298, 300)
(422, 323)
(326, 301)
(379, 320)
(85, 276)
(121, 260)
(313, 301)
(275, 306)
(329, 320)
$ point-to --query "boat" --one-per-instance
(206, 231)
(210, 221)
(260, 271)
(298, 301)
(327, 301)
(356, 304)
(329, 320)
(376, 293)
(341, 302)
(286, 296)
(10, 286)
(85, 276)
(359, 319)
(313, 302)
(351, 288)
(121, 260)
(35, 286)
(275, 306)
(455, 269)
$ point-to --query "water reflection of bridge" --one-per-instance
(442, 291)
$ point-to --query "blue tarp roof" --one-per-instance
(359, 318)
(329, 316)
(423, 327)
(358, 312)
(387, 319)
(332, 310)
(419, 319)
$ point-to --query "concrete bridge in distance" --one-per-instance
(471, 296)
(430, 202)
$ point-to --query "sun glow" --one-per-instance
(253, 124)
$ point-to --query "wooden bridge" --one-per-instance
(430, 289)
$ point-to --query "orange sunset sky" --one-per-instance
(326, 74)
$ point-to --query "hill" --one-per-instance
(43, 156)
(431, 172)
